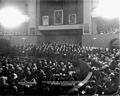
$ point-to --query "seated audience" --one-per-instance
(40, 69)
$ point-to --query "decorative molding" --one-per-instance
(61, 27)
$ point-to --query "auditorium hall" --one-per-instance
(59, 48)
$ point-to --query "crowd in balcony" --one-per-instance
(59, 62)
(107, 26)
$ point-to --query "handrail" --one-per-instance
(81, 83)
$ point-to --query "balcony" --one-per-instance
(60, 27)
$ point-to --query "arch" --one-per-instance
(114, 43)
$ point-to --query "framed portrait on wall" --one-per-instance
(86, 29)
(58, 17)
(32, 31)
(45, 20)
(72, 18)
(1, 33)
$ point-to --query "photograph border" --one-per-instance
(61, 22)
(86, 29)
(45, 22)
(70, 21)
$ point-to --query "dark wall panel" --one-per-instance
(70, 36)
(47, 8)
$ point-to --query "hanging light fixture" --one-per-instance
(11, 17)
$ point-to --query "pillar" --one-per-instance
(32, 16)
(87, 22)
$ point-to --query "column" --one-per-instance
(87, 22)
(38, 17)
(32, 16)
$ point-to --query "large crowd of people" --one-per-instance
(55, 68)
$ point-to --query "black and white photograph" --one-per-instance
(72, 18)
(59, 48)
(45, 20)
(58, 17)
(32, 31)
(86, 29)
